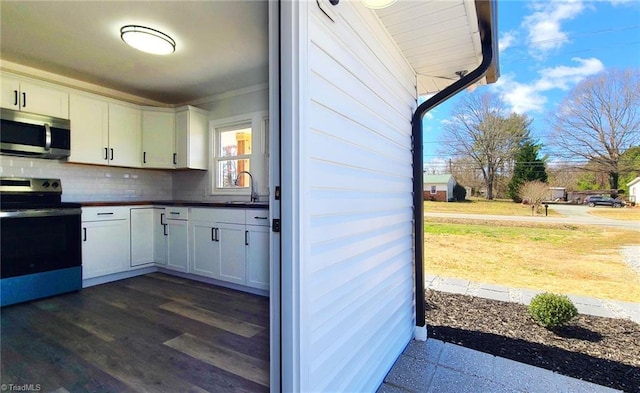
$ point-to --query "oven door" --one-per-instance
(41, 253)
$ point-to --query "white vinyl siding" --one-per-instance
(356, 284)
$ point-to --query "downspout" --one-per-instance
(416, 122)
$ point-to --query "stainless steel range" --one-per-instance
(41, 251)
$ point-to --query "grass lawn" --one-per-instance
(561, 258)
(500, 207)
(626, 214)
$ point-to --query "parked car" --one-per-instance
(598, 200)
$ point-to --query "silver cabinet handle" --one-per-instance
(47, 137)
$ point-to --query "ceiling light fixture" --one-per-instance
(378, 4)
(147, 39)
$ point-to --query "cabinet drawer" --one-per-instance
(106, 213)
(177, 213)
(257, 217)
(231, 216)
(215, 214)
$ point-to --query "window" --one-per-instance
(433, 190)
(238, 144)
(233, 156)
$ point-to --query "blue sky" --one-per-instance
(546, 48)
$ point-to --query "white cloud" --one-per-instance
(529, 97)
(565, 77)
(544, 26)
(521, 97)
(506, 40)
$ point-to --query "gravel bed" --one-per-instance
(631, 256)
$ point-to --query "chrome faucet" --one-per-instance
(254, 195)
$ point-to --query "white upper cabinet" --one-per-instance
(29, 96)
(89, 130)
(125, 135)
(158, 138)
(191, 141)
(104, 133)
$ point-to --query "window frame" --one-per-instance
(257, 158)
(433, 189)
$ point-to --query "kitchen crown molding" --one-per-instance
(61, 80)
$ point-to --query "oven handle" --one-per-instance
(41, 213)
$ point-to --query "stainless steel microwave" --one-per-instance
(33, 135)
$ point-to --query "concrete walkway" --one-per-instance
(585, 305)
(437, 367)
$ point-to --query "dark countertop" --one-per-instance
(239, 204)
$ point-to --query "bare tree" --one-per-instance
(467, 173)
(563, 175)
(599, 120)
(481, 130)
(534, 192)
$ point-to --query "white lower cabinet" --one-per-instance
(228, 244)
(148, 240)
(105, 241)
(232, 253)
(225, 248)
(218, 251)
(258, 256)
(159, 236)
(142, 236)
(205, 255)
(177, 230)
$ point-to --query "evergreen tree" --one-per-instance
(528, 167)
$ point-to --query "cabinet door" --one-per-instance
(205, 257)
(105, 247)
(125, 135)
(89, 130)
(142, 236)
(10, 93)
(18, 94)
(44, 100)
(177, 245)
(158, 136)
(232, 253)
(192, 139)
(159, 236)
(257, 247)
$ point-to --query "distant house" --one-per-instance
(634, 190)
(557, 193)
(438, 187)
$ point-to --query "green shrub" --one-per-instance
(551, 310)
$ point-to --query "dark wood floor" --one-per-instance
(153, 333)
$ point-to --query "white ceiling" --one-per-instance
(220, 45)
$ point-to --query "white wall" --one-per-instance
(86, 183)
(348, 287)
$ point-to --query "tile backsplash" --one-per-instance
(86, 183)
